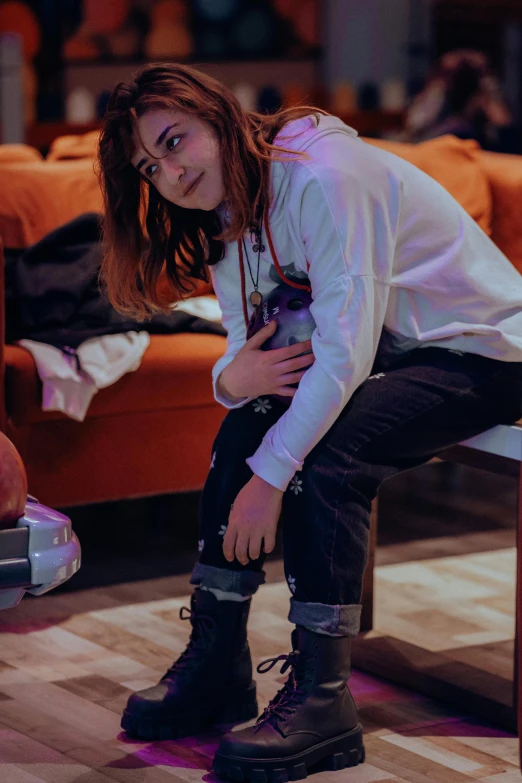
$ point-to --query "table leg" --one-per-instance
(368, 581)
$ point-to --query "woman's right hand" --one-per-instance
(254, 372)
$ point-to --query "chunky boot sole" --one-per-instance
(347, 750)
(239, 707)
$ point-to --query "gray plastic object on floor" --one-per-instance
(39, 553)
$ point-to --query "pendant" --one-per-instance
(256, 298)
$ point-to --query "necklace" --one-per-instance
(273, 255)
(255, 297)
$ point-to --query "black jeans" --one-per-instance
(397, 419)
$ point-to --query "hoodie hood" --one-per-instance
(300, 135)
(297, 135)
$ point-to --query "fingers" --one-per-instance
(286, 380)
(257, 340)
(291, 377)
(285, 391)
(291, 372)
(290, 365)
(254, 547)
(269, 542)
(238, 546)
(229, 543)
(289, 351)
(242, 548)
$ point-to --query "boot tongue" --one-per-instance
(304, 641)
(203, 602)
(202, 619)
(204, 608)
(325, 653)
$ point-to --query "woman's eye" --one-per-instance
(173, 142)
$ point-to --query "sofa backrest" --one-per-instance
(18, 153)
(83, 145)
(37, 196)
(487, 184)
(456, 165)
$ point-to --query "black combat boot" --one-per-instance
(211, 682)
(312, 718)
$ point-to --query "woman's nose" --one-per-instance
(172, 171)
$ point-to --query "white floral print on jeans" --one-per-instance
(295, 485)
(261, 405)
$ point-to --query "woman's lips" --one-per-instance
(194, 185)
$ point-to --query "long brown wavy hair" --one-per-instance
(153, 250)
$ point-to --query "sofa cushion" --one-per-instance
(17, 153)
(74, 147)
(454, 163)
(175, 373)
(504, 173)
(40, 196)
(37, 197)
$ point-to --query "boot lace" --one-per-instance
(202, 628)
(291, 694)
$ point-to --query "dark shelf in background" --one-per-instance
(195, 61)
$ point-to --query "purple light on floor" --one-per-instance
(366, 690)
(175, 754)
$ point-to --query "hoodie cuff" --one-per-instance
(276, 469)
(227, 402)
(222, 398)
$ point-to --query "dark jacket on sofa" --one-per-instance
(52, 292)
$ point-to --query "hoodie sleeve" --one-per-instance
(346, 224)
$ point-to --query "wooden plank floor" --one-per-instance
(445, 594)
(69, 661)
(445, 627)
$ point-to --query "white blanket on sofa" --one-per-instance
(71, 378)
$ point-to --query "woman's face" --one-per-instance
(188, 172)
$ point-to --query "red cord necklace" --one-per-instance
(255, 296)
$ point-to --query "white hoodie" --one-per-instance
(389, 254)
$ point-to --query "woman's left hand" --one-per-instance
(252, 522)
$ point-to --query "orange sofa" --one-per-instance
(152, 431)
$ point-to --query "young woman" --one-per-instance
(417, 346)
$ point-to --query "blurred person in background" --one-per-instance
(463, 97)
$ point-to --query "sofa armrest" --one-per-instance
(504, 173)
(3, 417)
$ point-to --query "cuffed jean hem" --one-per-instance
(342, 620)
(242, 582)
